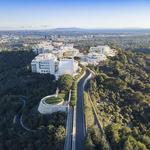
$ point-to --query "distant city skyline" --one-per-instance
(48, 14)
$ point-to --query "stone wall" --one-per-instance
(45, 108)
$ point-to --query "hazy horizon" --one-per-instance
(69, 29)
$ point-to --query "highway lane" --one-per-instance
(80, 120)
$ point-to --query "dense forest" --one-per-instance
(20, 94)
(120, 92)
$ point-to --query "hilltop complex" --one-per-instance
(57, 57)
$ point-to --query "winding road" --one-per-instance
(18, 117)
(80, 119)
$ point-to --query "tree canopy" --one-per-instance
(121, 93)
(65, 82)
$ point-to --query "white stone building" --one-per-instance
(58, 52)
(68, 50)
(59, 49)
(96, 55)
(67, 66)
(105, 50)
(92, 58)
(43, 47)
(95, 58)
(48, 63)
(67, 47)
(44, 63)
(57, 44)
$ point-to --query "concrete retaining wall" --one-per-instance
(45, 108)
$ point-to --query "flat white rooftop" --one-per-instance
(44, 56)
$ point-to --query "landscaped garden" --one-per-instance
(55, 99)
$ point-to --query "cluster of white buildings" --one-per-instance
(43, 47)
(105, 50)
(57, 58)
(58, 48)
(94, 58)
(97, 54)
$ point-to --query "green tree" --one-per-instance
(65, 82)
(132, 144)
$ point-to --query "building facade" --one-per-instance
(48, 63)
(105, 50)
(43, 47)
(67, 66)
(44, 63)
(95, 58)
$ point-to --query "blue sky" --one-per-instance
(15, 14)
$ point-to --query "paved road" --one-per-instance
(80, 121)
(68, 143)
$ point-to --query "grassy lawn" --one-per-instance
(63, 96)
(55, 100)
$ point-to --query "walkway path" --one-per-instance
(18, 117)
